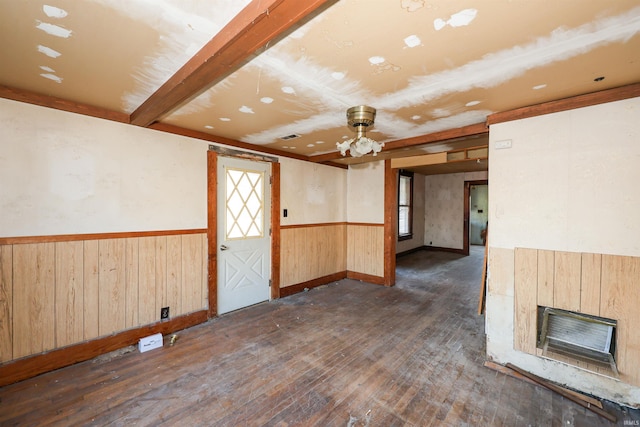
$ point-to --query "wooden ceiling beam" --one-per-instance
(196, 134)
(256, 26)
(586, 100)
(61, 104)
(432, 138)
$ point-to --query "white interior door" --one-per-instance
(244, 241)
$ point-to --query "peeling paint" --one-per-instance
(376, 60)
(337, 75)
(54, 30)
(489, 71)
(48, 51)
(288, 89)
(412, 41)
(495, 68)
(47, 69)
(180, 43)
(225, 119)
(538, 87)
(266, 100)
(52, 77)
(246, 110)
(440, 112)
(54, 12)
(460, 19)
(412, 5)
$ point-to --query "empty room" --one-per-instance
(329, 212)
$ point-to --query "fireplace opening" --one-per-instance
(587, 338)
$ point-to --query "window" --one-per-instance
(405, 205)
(245, 194)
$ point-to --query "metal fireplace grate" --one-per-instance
(579, 335)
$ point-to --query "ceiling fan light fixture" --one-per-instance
(359, 118)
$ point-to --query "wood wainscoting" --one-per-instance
(311, 251)
(315, 254)
(57, 291)
(596, 284)
(365, 252)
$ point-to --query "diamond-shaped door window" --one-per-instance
(245, 197)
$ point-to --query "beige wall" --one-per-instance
(64, 173)
(312, 193)
(568, 183)
(365, 193)
(444, 208)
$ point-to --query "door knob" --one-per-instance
(224, 247)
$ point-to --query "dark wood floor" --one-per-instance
(346, 354)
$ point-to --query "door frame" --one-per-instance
(212, 221)
(467, 211)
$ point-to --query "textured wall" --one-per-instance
(444, 208)
(568, 183)
(65, 173)
(365, 193)
(312, 193)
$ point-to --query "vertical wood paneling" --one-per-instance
(112, 285)
(91, 282)
(69, 288)
(161, 275)
(204, 272)
(147, 280)
(590, 284)
(311, 252)
(192, 273)
(58, 294)
(365, 251)
(131, 283)
(33, 307)
(6, 303)
(287, 257)
(174, 275)
(525, 300)
(340, 245)
(620, 300)
(566, 290)
(546, 273)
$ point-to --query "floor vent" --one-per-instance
(584, 337)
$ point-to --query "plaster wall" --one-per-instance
(444, 208)
(64, 173)
(365, 193)
(312, 193)
(569, 183)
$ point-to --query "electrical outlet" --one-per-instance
(164, 313)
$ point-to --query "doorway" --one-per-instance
(476, 213)
(244, 256)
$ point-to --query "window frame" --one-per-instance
(410, 175)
